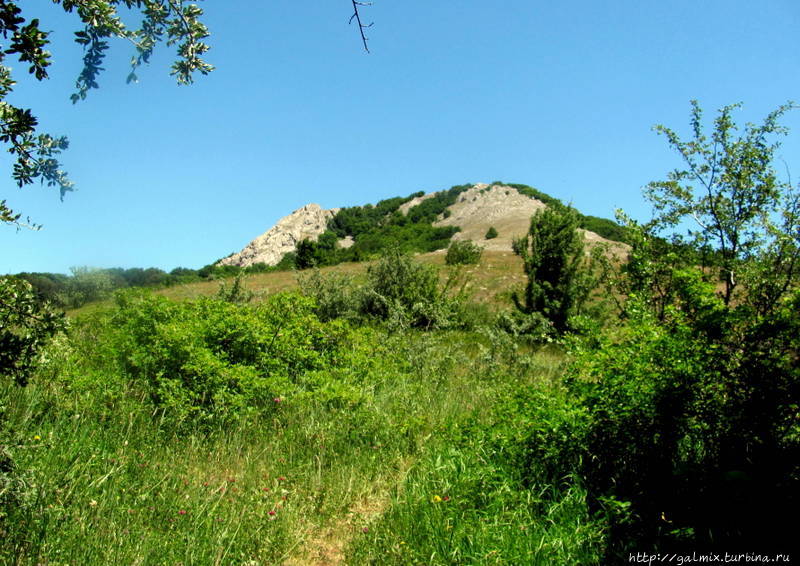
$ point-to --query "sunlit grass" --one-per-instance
(107, 480)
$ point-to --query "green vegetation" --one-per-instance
(463, 252)
(559, 276)
(386, 420)
(491, 233)
(36, 155)
(26, 327)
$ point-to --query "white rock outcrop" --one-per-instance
(307, 222)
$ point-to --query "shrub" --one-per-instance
(214, 360)
(335, 295)
(405, 293)
(236, 293)
(491, 233)
(463, 252)
(26, 327)
(402, 291)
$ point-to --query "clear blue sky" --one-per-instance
(558, 95)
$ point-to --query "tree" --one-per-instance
(741, 209)
(554, 262)
(491, 233)
(693, 398)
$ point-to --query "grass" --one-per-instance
(490, 282)
(374, 464)
(101, 478)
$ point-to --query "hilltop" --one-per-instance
(420, 223)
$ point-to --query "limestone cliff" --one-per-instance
(307, 222)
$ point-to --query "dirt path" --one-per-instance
(325, 544)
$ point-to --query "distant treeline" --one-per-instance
(373, 229)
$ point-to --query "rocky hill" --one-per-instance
(475, 210)
(307, 222)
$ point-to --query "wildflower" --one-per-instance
(437, 499)
(93, 503)
(37, 438)
(281, 478)
(264, 489)
(182, 512)
(365, 530)
(277, 399)
(446, 498)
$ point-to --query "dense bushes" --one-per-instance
(689, 436)
(212, 359)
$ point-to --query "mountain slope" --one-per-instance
(470, 209)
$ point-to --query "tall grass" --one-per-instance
(355, 466)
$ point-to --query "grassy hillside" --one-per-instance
(361, 455)
(490, 282)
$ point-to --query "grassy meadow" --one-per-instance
(371, 455)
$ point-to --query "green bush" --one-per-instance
(491, 233)
(236, 292)
(335, 295)
(215, 360)
(463, 252)
(405, 293)
(26, 327)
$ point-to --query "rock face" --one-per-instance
(307, 222)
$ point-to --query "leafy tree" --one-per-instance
(491, 233)
(36, 154)
(307, 254)
(733, 195)
(554, 262)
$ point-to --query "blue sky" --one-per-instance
(558, 95)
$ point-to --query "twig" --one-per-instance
(357, 17)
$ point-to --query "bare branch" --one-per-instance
(361, 26)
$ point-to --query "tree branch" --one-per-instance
(357, 17)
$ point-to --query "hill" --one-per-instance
(418, 223)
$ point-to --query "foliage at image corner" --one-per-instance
(26, 325)
(36, 154)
